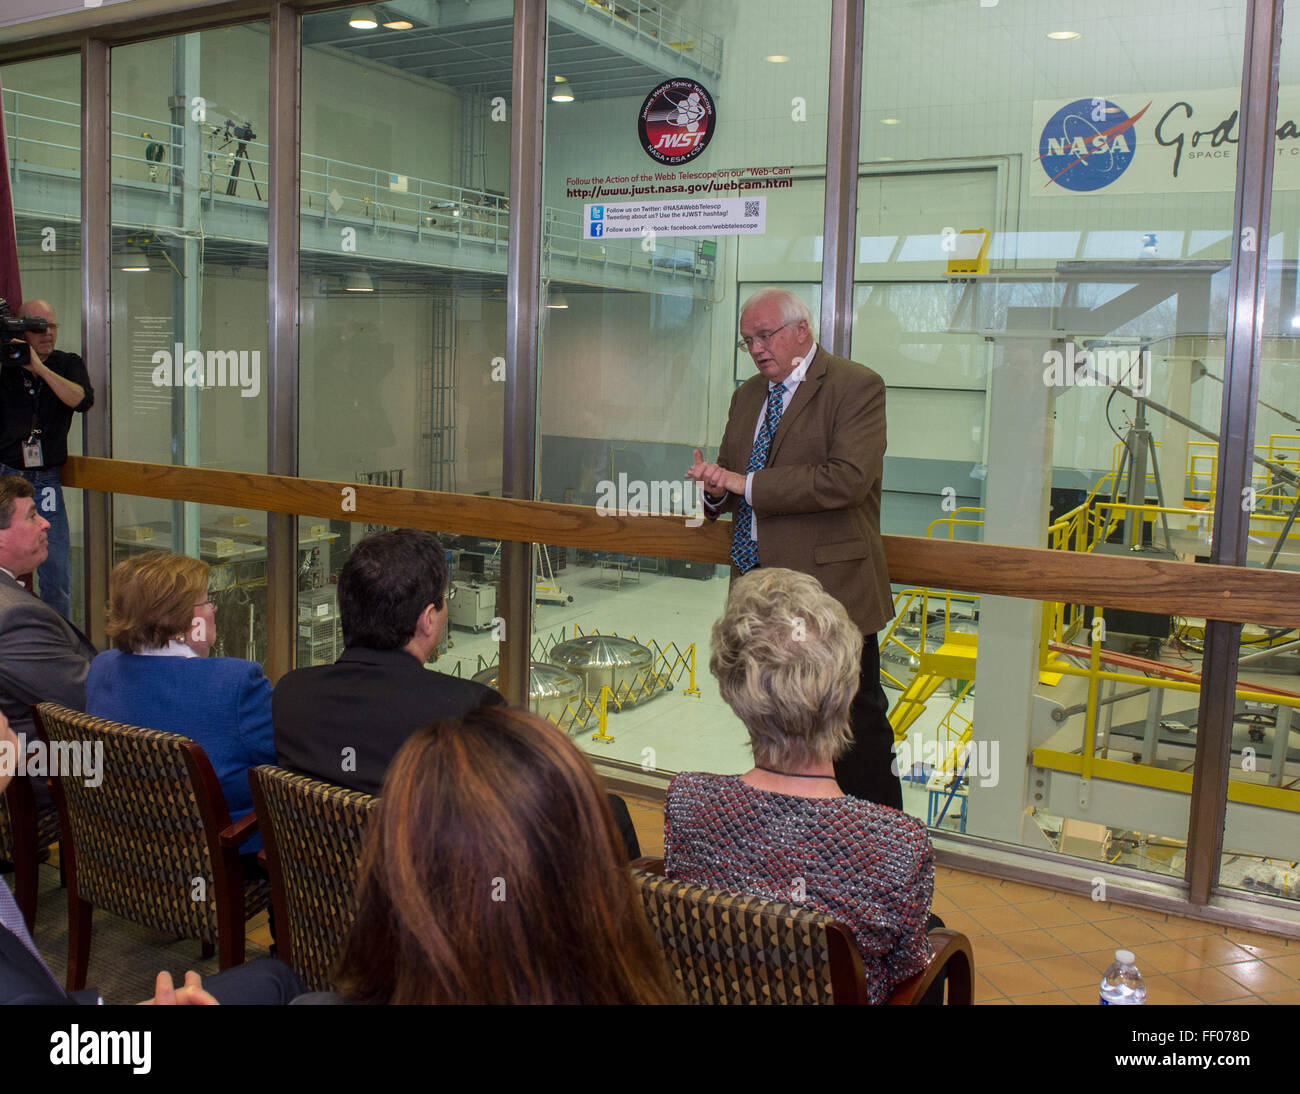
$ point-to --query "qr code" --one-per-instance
(751, 208)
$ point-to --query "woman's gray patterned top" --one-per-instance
(869, 866)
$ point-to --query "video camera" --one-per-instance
(240, 132)
(14, 349)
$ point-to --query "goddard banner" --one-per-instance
(1166, 143)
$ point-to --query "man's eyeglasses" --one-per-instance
(747, 344)
(209, 603)
(450, 594)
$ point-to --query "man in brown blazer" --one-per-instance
(800, 469)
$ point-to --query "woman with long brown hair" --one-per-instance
(493, 873)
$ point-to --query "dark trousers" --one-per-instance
(867, 770)
(626, 829)
(264, 983)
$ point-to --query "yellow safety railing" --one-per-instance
(953, 521)
(1082, 529)
(1272, 502)
(1092, 760)
(955, 737)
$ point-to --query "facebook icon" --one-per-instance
(597, 230)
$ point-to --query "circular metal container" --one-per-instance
(551, 689)
(627, 667)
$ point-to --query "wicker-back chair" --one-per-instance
(313, 833)
(153, 842)
(727, 948)
(26, 830)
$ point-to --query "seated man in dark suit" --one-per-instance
(42, 656)
(26, 978)
(344, 722)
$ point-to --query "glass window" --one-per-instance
(188, 291)
(405, 222)
(42, 116)
(1043, 240)
(684, 168)
(1263, 803)
(1263, 822)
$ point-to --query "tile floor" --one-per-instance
(1035, 945)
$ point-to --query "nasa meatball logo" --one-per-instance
(1088, 144)
(676, 121)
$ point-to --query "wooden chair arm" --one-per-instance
(236, 833)
(951, 951)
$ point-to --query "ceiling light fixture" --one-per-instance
(363, 19)
(890, 121)
(1063, 35)
(132, 260)
(562, 97)
(776, 58)
(358, 282)
(561, 79)
(557, 300)
(399, 24)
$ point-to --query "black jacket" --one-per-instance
(369, 701)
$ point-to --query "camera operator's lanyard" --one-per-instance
(33, 456)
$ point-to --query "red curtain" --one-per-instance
(10, 285)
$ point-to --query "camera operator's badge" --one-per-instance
(32, 454)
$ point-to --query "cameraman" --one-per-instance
(37, 401)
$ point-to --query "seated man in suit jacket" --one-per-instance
(344, 722)
(43, 657)
(25, 978)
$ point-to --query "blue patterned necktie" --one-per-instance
(11, 919)
(744, 551)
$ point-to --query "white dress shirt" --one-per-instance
(172, 649)
(791, 384)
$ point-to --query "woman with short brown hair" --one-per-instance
(162, 624)
(154, 598)
(493, 873)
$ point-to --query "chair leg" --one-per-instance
(25, 882)
(79, 912)
(230, 942)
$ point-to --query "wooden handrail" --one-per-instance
(1232, 593)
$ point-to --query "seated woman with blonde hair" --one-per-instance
(786, 657)
(162, 624)
(493, 873)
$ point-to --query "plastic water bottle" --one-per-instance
(1122, 984)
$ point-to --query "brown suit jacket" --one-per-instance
(818, 499)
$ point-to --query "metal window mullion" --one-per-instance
(1246, 285)
(96, 312)
(523, 263)
(839, 224)
(283, 146)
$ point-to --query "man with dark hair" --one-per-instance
(37, 402)
(42, 656)
(345, 722)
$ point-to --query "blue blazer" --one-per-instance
(221, 703)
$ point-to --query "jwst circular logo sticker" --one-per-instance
(676, 122)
